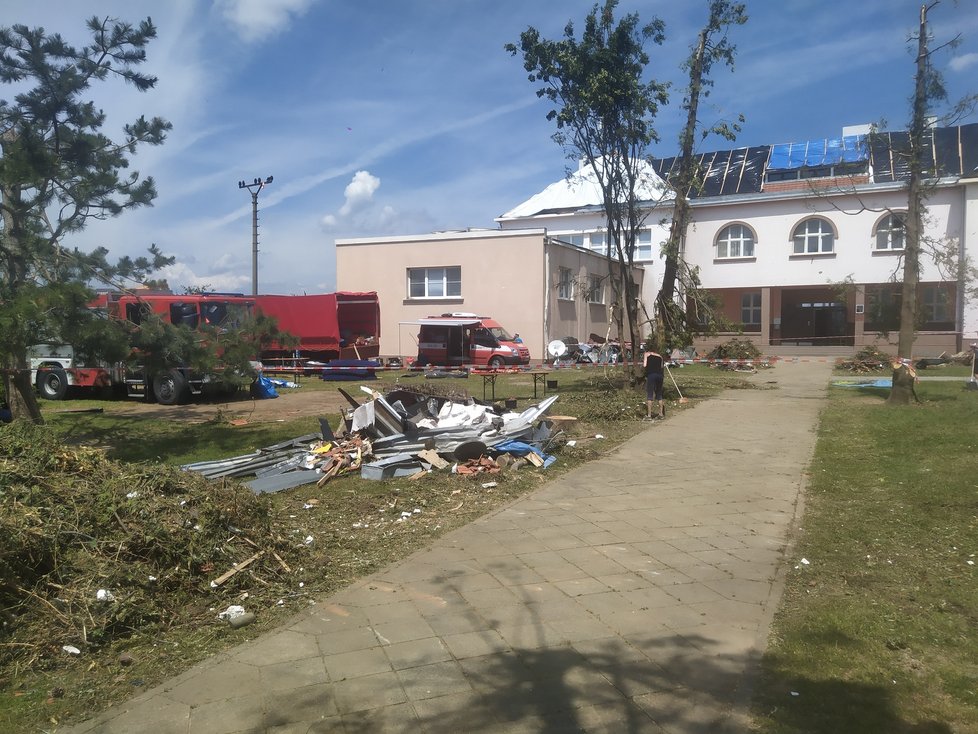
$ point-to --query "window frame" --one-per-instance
(446, 282)
(643, 244)
(742, 241)
(595, 289)
(565, 283)
(597, 242)
(753, 309)
(934, 301)
(885, 226)
(826, 230)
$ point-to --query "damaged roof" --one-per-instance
(581, 190)
(950, 151)
(725, 172)
(822, 152)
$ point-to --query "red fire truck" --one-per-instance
(58, 367)
(328, 326)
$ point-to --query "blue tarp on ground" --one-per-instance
(350, 369)
(881, 382)
(263, 388)
(522, 449)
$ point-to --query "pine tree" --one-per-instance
(58, 172)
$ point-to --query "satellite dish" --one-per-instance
(556, 348)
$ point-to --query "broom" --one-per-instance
(681, 398)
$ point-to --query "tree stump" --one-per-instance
(904, 379)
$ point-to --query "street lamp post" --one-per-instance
(254, 187)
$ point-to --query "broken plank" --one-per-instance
(284, 565)
(349, 398)
(433, 458)
(240, 567)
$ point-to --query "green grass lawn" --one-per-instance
(879, 631)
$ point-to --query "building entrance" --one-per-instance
(810, 317)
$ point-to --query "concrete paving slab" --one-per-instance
(632, 594)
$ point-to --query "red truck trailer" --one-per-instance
(343, 325)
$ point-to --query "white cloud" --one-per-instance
(225, 260)
(359, 192)
(962, 62)
(255, 20)
(180, 276)
(358, 197)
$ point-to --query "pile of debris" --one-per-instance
(404, 433)
(867, 359)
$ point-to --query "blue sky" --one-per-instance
(383, 118)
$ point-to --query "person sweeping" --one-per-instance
(654, 377)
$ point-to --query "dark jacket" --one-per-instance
(653, 364)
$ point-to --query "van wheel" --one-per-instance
(171, 388)
(496, 362)
(52, 383)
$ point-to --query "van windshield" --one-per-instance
(501, 334)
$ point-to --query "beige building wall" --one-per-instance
(503, 276)
(512, 276)
(586, 311)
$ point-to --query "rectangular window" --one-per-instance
(597, 243)
(935, 307)
(643, 246)
(750, 311)
(565, 286)
(882, 308)
(435, 282)
(572, 239)
(595, 291)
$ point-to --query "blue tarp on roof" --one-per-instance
(824, 152)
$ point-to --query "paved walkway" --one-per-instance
(633, 594)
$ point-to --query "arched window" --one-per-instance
(735, 240)
(813, 237)
(891, 232)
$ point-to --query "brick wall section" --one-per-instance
(807, 184)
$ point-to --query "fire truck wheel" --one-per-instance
(170, 388)
(52, 383)
(496, 362)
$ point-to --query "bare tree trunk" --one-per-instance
(20, 392)
(902, 388)
(684, 184)
(634, 330)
